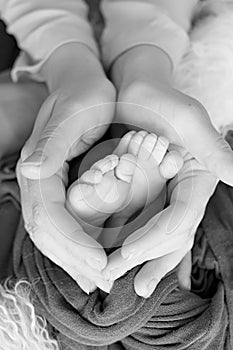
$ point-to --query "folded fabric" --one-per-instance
(169, 319)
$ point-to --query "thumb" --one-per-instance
(59, 137)
(205, 143)
(31, 157)
(217, 156)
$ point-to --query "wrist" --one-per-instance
(145, 63)
(71, 62)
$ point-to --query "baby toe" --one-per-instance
(126, 168)
(106, 164)
(160, 149)
(147, 147)
(171, 164)
(136, 142)
(123, 145)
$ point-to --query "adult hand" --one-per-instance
(167, 238)
(73, 117)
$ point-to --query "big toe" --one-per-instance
(171, 164)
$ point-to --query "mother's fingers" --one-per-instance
(189, 193)
(200, 138)
(153, 271)
(147, 243)
(171, 230)
(55, 232)
(65, 128)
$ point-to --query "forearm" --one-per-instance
(133, 23)
(142, 63)
(72, 62)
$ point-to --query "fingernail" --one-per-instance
(92, 288)
(37, 158)
(151, 287)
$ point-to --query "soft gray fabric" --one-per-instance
(169, 319)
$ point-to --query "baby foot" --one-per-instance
(154, 166)
(100, 192)
(123, 182)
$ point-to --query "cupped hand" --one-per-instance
(69, 122)
(56, 233)
(182, 119)
(166, 240)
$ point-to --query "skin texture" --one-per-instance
(142, 77)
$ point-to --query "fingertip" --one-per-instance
(184, 272)
(35, 168)
(146, 290)
(85, 284)
(185, 285)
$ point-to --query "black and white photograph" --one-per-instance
(116, 175)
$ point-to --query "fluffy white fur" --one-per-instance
(206, 73)
(20, 327)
